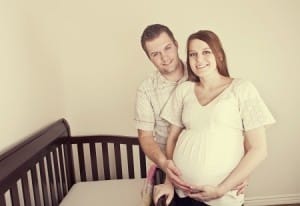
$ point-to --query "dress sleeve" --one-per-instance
(254, 112)
(144, 114)
(172, 111)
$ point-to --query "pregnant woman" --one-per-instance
(217, 134)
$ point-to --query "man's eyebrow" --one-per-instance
(169, 44)
(153, 52)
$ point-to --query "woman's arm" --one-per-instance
(256, 147)
(256, 152)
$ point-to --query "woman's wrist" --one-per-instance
(222, 190)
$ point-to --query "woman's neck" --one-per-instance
(213, 81)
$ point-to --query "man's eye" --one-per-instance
(154, 54)
(168, 47)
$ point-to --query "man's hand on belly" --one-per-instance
(174, 174)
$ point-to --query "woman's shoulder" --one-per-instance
(244, 88)
(242, 84)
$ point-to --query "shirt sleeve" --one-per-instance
(144, 114)
(172, 112)
(254, 112)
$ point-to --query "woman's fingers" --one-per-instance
(241, 188)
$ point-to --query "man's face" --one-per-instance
(163, 53)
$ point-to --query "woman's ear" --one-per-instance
(220, 56)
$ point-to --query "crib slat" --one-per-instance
(35, 184)
(94, 161)
(81, 162)
(105, 161)
(69, 164)
(118, 160)
(62, 169)
(2, 200)
(44, 182)
(51, 180)
(130, 160)
(142, 163)
(15, 195)
(57, 176)
(25, 188)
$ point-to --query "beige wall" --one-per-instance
(91, 50)
(30, 76)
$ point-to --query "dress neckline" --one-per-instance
(215, 98)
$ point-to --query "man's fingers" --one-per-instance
(174, 170)
(176, 180)
(180, 184)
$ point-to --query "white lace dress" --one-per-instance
(212, 142)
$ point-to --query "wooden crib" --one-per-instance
(46, 167)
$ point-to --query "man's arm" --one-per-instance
(151, 148)
(173, 173)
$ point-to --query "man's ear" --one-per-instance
(176, 43)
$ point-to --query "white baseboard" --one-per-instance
(273, 200)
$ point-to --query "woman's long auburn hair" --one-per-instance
(215, 45)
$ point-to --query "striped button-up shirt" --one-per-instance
(151, 98)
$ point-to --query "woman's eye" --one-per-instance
(192, 54)
(206, 52)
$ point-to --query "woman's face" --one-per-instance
(201, 58)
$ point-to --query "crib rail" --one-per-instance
(34, 172)
(117, 157)
(42, 169)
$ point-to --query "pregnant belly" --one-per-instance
(201, 163)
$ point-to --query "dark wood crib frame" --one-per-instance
(47, 157)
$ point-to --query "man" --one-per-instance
(161, 48)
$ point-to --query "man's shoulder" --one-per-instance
(149, 83)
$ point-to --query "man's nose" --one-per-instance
(164, 57)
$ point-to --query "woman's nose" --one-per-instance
(199, 59)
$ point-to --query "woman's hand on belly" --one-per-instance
(205, 193)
